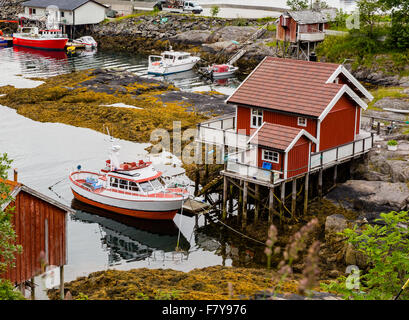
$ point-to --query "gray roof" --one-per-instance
(309, 16)
(69, 5)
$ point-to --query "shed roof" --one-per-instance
(309, 16)
(61, 4)
(278, 137)
(16, 188)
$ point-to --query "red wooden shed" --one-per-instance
(41, 227)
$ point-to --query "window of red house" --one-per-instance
(270, 156)
(256, 118)
(302, 122)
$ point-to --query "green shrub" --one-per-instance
(7, 291)
(386, 248)
(392, 143)
(214, 11)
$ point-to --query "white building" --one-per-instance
(69, 12)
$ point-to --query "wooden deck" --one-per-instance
(193, 207)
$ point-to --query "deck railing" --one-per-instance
(348, 150)
(221, 131)
(269, 176)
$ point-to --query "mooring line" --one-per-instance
(242, 234)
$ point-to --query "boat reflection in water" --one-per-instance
(130, 239)
(41, 63)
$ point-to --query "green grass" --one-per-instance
(386, 92)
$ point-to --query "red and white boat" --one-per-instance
(132, 188)
(32, 37)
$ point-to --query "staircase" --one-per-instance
(242, 47)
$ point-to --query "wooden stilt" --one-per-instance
(62, 294)
(282, 198)
(33, 293)
(335, 174)
(240, 209)
(225, 188)
(244, 218)
(294, 197)
(197, 181)
(196, 221)
(320, 183)
(230, 211)
(257, 203)
(306, 192)
(271, 206)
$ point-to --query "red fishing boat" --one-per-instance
(32, 37)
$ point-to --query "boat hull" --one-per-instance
(167, 70)
(42, 44)
(151, 215)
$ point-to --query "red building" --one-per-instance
(293, 108)
(304, 25)
(41, 227)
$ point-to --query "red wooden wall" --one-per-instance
(338, 127)
(29, 219)
(298, 157)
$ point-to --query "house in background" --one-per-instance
(41, 228)
(72, 14)
(303, 30)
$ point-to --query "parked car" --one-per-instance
(178, 6)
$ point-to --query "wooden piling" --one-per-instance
(225, 186)
(335, 174)
(244, 217)
(231, 193)
(282, 198)
(320, 183)
(294, 197)
(257, 203)
(271, 206)
(62, 294)
(33, 294)
(306, 192)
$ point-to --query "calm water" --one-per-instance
(18, 62)
(44, 154)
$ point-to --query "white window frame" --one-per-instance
(300, 123)
(257, 116)
(275, 154)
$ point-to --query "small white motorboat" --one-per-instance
(219, 70)
(87, 41)
(170, 62)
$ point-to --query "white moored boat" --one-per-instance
(171, 62)
(87, 41)
(132, 188)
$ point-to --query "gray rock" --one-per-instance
(334, 224)
(193, 37)
(371, 197)
(355, 257)
(392, 103)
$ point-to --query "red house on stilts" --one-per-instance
(297, 116)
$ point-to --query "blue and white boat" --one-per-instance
(170, 62)
(3, 42)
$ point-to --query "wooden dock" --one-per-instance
(193, 207)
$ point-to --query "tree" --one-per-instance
(214, 11)
(8, 247)
(369, 14)
(399, 33)
(385, 247)
(297, 4)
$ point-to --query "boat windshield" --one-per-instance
(146, 186)
(157, 184)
